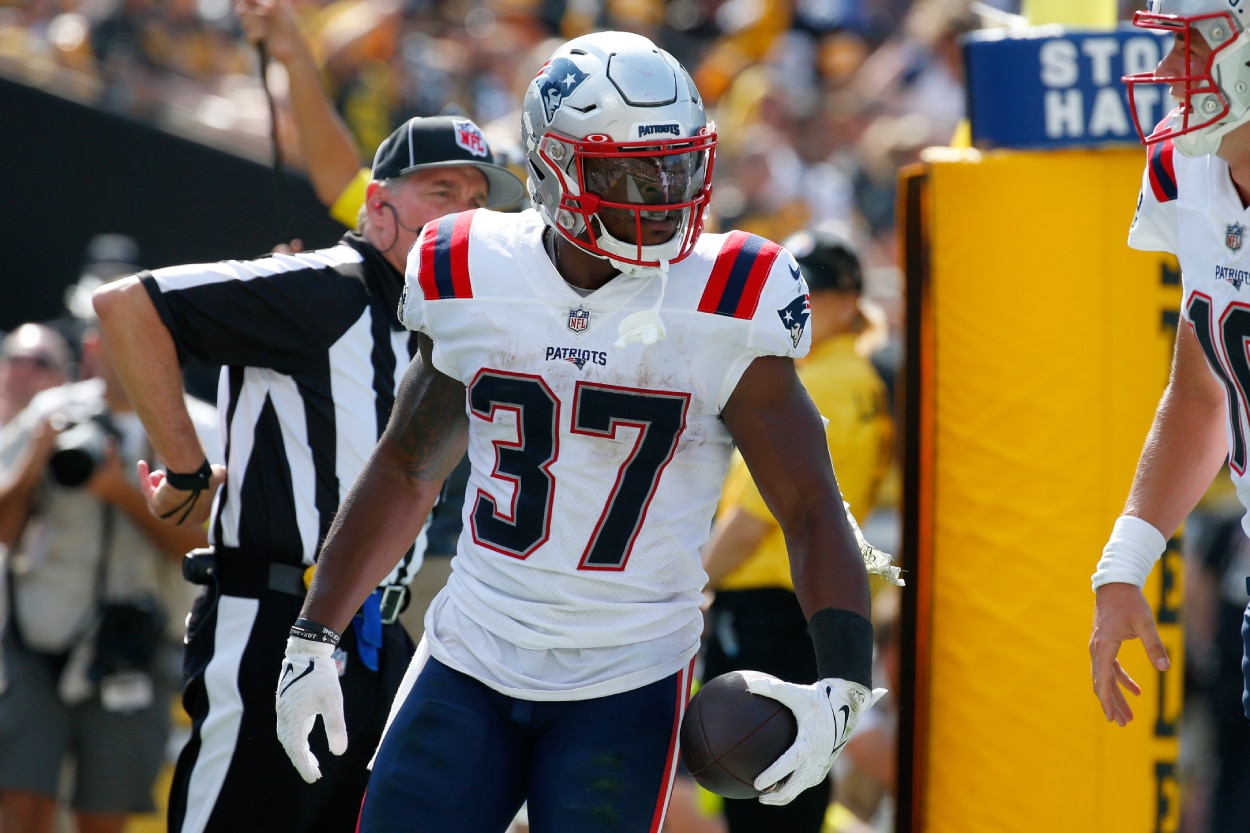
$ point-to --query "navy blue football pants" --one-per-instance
(462, 757)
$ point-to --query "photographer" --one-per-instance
(87, 643)
(33, 357)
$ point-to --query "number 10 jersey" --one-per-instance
(1190, 207)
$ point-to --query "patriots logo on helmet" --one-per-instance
(794, 317)
(558, 80)
(469, 137)
(1233, 236)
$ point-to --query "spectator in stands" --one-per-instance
(331, 155)
(33, 358)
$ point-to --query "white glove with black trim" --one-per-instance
(826, 713)
(307, 687)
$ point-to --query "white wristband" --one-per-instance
(1130, 553)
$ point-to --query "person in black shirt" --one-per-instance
(312, 353)
(1215, 604)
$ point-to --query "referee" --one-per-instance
(312, 352)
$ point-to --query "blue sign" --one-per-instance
(1047, 87)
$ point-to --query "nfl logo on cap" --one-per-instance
(470, 138)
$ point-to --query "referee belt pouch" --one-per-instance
(251, 573)
(246, 573)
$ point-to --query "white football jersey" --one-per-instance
(596, 468)
(1188, 206)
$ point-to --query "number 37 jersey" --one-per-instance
(596, 461)
(1189, 207)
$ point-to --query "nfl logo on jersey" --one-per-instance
(579, 320)
(1233, 235)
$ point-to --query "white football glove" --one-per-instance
(309, 686)
(826, 713)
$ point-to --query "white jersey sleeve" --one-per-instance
(1154, 222)
(776, 324)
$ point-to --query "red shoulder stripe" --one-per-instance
(738, 275)
(443, 270)
(1162, 171)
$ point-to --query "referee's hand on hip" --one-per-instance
(185, 506)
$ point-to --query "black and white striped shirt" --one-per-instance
(312, 354)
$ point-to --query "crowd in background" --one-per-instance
(818, 104)
(818, 101)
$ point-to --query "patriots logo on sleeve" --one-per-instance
(794, 317)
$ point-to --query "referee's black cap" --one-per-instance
(428, 142)
(827, 261)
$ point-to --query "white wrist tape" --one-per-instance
(1130, 553)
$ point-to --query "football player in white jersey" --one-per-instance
(1193, 203)
(597, 356)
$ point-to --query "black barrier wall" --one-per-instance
(68, 172)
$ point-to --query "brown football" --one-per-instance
(729, 735)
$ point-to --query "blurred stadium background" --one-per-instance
(148, 118)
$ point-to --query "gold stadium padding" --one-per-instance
(1038, 345)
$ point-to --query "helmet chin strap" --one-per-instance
(1206, 140)
(644, 326)
(1200, 142)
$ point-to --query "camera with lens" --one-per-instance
(80, 447)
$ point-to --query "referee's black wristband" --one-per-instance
(314, 632)
(843, 643)
(197, 481)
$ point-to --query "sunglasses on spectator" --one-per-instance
(42, 361)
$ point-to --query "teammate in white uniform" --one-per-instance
(1193, 203)
(598, 356)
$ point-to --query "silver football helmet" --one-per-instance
(1214, 97)
(616, 137)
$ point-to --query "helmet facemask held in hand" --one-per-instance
(1206, 70)
(619, 151)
